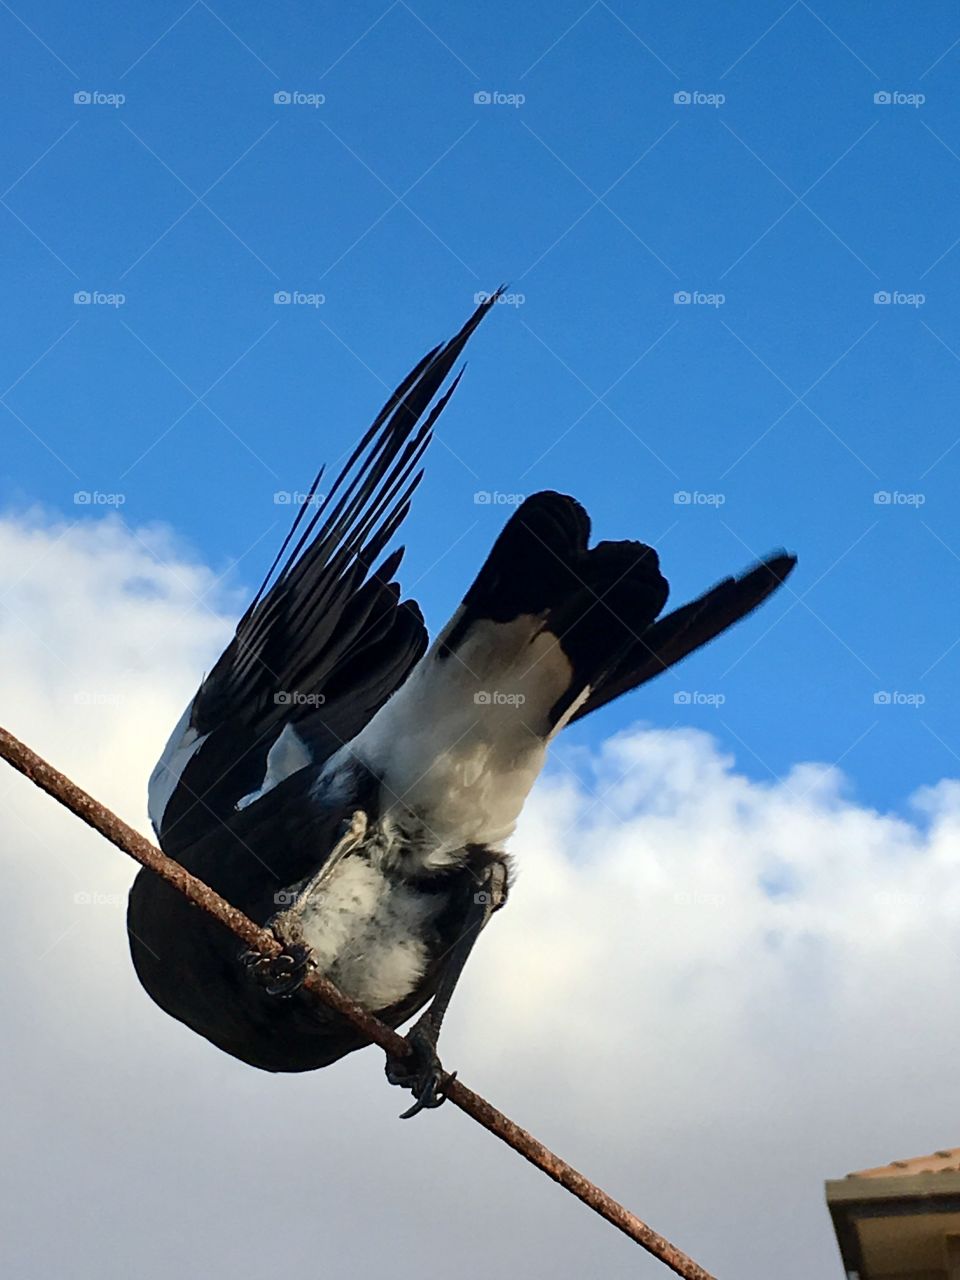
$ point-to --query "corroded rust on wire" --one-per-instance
(131, 842)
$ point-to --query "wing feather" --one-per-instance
(326, 639)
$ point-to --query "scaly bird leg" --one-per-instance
(283, 975)
(421, 1070)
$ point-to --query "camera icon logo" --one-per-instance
(682, 298)
(282, 298)
(82, 98)
(483, 98)
(682, 98)
(883, 98)
(82, 298)
(882, 298)
(282, 98)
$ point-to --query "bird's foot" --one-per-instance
(420, 1071)
(280, 975)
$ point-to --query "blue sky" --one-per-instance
(797, 398)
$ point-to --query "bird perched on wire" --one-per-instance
(351, 787)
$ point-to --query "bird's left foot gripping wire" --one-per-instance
(283, 975)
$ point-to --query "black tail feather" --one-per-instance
(601, 604)
(688, 628)
(597, 602)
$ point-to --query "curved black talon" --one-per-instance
(421, 1072)
(436, 1094)
(281, 975)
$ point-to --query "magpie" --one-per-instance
(351, 787)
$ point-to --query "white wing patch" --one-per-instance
(288, 754)
(182, 746)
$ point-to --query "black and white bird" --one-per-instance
(351, 787)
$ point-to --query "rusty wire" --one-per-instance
(131, 842)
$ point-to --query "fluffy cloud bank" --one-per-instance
(709, 992)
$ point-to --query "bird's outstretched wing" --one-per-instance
(326, 639)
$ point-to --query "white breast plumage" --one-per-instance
(366, 932)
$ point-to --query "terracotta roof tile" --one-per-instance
(944, 1161)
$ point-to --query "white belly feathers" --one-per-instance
(366, 932)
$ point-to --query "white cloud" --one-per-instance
(104, 631)
(711, 993)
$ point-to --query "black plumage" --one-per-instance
(350, 788)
